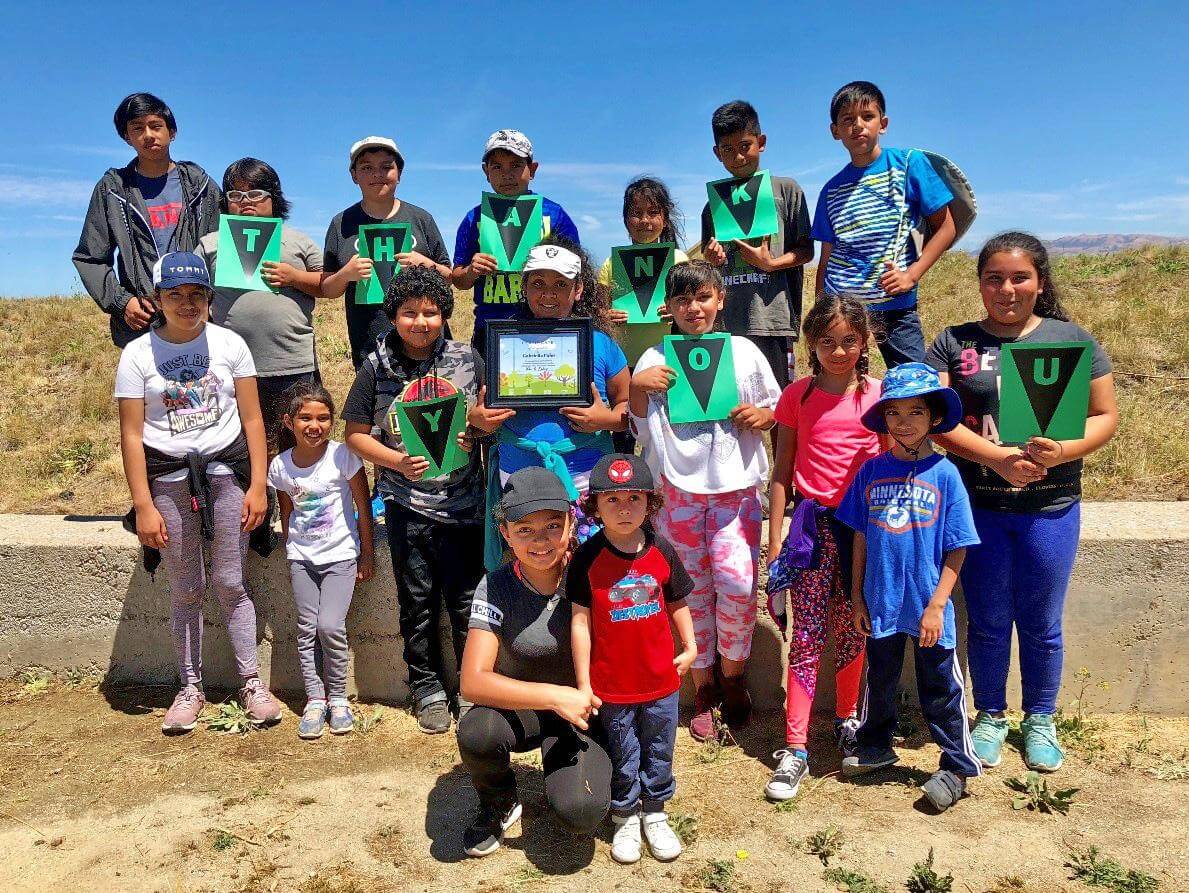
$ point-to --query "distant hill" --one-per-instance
(1107, 243)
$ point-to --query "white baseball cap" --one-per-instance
(377, 142)
(554, 257)
(510, 140)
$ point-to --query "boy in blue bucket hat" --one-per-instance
(912, 523)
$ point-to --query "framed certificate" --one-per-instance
(539, 363)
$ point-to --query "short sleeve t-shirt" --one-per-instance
(969, 354)
(631, 658)
(533, 629)
(322, 527)
(912, 514)
(867, 214)
(188, 391)
(551, 426)
(832, 442)
(278, 326)
(163, 198)
(760, 303)
(498, 296)
(389, 376)
(366, 323)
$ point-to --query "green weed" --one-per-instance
(1032, 792)
(228, 717)
(718, 875)
(1095, 870)
(852, 881)
(825, 843)
(685, 826)
(222, 841)
(367, 720)
(925, 880)
(34, 681)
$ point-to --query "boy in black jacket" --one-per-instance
(140, 213)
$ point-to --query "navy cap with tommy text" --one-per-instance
(180, 268)
(620, 471)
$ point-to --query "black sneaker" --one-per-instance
(484, 836)
(434, 717)
(844, 734)
(865, 760)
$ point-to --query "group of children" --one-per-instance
(882, 527)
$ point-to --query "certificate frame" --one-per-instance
(510, 339)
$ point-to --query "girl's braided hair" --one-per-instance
(819, 319)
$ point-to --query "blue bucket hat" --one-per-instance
(181, 268)
(914, 380)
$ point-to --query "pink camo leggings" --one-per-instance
(717, 537)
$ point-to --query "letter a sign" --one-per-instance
(1044, 390)
(742, 208)
(381, 243)
(509, 228)
(430, 429)
(245, 243)
(638, 273)
(705, 389)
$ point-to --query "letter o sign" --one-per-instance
(699, 359)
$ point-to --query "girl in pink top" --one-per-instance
(821, 444)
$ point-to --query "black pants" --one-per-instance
(433, 564)
(775, 349)
(941, 688)
(577, 768)
(272, 388)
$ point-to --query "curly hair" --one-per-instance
(418, 283)
(590, 505)
(595, 301)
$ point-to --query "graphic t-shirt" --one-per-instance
(278, 326)
(708, 457)
(551, 426)
(760, 303)
(367, 322)
(912, 514)
(163, 197)
(498, 296)
(867, 214)
(188, 391)
(533, 629)
(323, 528)
(631, 658)
(389, 375)
(969, 354)
(832, 442)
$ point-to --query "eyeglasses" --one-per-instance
(252, 195)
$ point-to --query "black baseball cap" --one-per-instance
(531, 490)
(620, 471)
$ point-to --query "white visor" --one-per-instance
(554, 257)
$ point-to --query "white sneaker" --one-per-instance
(625, 845)
(787, 777)
(662, 839)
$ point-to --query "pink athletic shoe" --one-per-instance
(262, 708)
(182, 714)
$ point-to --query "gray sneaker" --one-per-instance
(944, 789)
(182, 714)
(433, 717)
(787, 778)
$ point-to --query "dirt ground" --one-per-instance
(93, 797)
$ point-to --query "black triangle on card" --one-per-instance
(251, 238)
(511, 218)
(644, 266)
(432, 422)
(740, 198)
(699, 359)
(1046, 373)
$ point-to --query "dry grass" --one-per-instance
(60, 433)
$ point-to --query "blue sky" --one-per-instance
(1066, 117)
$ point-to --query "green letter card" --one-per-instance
(509, 227)
(705, 389)
(245, 243)
(638, 279)
(1044, 390)
(430, 428)
(381, 243)
(742, 208)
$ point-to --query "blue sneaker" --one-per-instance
(313, 721)
(1042, 753)
(341, 719)
(867, 759)
(988, 735)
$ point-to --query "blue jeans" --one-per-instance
(899, 336)
(640, 742)
(1019, 575)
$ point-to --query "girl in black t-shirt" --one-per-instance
(1026, 500)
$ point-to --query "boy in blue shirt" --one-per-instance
(865, 216)
(509, 167)
(912, 523)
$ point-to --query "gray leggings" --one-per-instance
(185, 568)
(323, 595)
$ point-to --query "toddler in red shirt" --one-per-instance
(626, 583)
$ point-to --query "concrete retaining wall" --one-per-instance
(74, 594)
